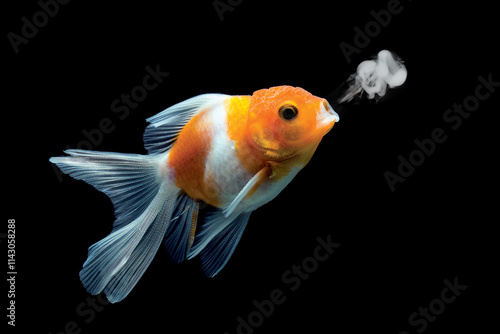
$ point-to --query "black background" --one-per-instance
(397, 247)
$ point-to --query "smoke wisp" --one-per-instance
(372, 77)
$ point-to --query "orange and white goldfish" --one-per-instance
(235, 153)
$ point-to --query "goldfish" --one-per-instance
(234, 153)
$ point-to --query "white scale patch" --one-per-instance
(224, 166)
(222, 162)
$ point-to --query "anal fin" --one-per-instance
(180, 235)
(194, 223)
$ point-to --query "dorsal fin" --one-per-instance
(165, 126)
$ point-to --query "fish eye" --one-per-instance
(288, 112)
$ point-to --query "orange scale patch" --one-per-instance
(187, 158)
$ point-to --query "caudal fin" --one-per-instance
(147, 209)
(143, 205)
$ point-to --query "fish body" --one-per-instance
(217, 153)
(235, 153)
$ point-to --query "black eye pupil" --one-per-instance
(288, 112)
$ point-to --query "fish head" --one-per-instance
(285, 121)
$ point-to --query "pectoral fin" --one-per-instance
(248, 190)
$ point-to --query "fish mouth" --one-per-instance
(326, 107)
(327, 117)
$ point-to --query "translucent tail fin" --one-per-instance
(143, 205)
